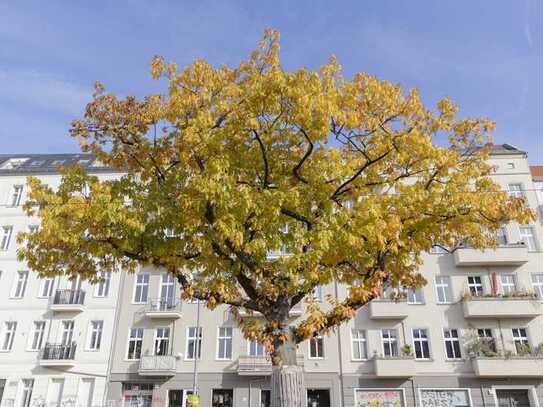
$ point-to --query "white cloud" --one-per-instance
(36, 90)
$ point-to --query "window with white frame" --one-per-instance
(421, 343)
(38, 332)
(46, 287)
(452, 343)
(162, 341)
(141, 289)
(316, 347)
(95, 337)
(135, 342)
(9, 335)
(507, 282)
(19, 286)
(6, 237)
(167, 286)
(359, 348)
(224, 343)
(256, 348)
(67, 332)
(33, 228)
(515, 190)
(520, 340)
(443, 289)
(415, 296)
(527, 235)
(389, 339)
(194, 343)
(537, 284)
(475, 286)
(26, 392)
(16, 195)
(317, 293)
(501, 236)
(101, 289)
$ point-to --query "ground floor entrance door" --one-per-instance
(318, 398)
(513, 398)
(178, 398)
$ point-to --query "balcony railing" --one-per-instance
(157, 365)
(69, 297)
(506, 255)
(57, 354)
(515, 366)
(164, 308)
(389, 309)
(501, 307)
(397, 366)
(260, 365)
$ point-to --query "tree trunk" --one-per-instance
(287, 380)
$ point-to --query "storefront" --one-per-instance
(379, 398)
(445, 398)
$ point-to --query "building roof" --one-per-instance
(505, 149)
(22, 164)
(537, 172)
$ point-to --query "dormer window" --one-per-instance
(56, 163)
(13, 163)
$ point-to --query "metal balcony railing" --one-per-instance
(164, 305)
(69, 297)
(58, 351)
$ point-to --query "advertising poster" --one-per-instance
(379, 398)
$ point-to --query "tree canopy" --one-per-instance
(342, 177)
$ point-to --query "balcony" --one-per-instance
(68, 300)
(157, 365)
(259, 365)
(525, 366)
(163, 309)
(509, 255)
(388, 309)
(501, 307)
(58, 355)
(293, 313)
(401, 366)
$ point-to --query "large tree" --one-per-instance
(344, 177)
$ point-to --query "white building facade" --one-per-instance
(55, 334)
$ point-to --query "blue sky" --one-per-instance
(487, 55)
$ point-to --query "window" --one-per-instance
(167, 289)
(56, 163)
(26, 393)
(224, 345)
(389, 338)
(501, 236)
(316, 347)
(141, 289)
(102, 288)
(485, 334)
(358, 337)
(38, 330)
(317, 293)
(135, 341)
(415, 296)
(515, 190)
(16, 195)
(475, 286)
(33, 228)
(265, 398)
(520, 340)
(9, 335)
(443, 288)
(46, 287)
(194, 343)
(537, 284)
(6, 237)
(421, 344)
(445, 398)
(508, 283)
(95, 339)
(256, 348)
(67, 332)
(527, 235)
(452, 344)
(19, 287)
(510, 166)
(162, 341)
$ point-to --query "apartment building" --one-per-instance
(55, 334)
(471, 337)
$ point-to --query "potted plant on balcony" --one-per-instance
(406, 350)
